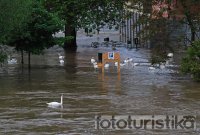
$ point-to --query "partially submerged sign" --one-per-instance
(107, 57)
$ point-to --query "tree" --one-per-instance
(191, 62)
(162, 17)
(183, 11)
(188, 13)
(3, 54)
(151, 24)
(78, 14)
(37, 33)
(13, 14)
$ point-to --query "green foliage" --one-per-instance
(191, 63)
(87, 13)
(4, 51)
(37, 34)
(156, 25)
(3, 57)
(61, 40)
(13, 14)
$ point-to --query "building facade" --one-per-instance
(175, 32)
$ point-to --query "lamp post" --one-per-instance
(136, 42)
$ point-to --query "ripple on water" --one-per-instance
(23, 94)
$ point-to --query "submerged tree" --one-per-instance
(191, 62)
(80, 14)
(13, 14)
(37, 33)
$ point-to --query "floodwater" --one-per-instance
(87, 93)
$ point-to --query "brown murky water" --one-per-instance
(136, 91)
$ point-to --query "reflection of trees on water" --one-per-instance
(70, 62)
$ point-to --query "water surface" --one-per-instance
(135, 91)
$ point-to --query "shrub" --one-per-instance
(191, 63)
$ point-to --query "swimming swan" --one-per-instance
(170, 55)
(60, 56)
(136, 64)
(116, 64)
(12, 61)
(92, 60)
(128, 60)
(106, 65)
(95, 65)
(56, 104)
(61, 62)
(122, 64)
(151, 68)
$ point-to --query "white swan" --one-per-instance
(130, 59)
(92, 60)
(125, 61)
(122, 64)
(56, 104)
(136, 64)
(60, 56)
(62, 62)
(106, 65)
(170, 55)
(116, 64)
(151, 68)
(95, 66)
(12, 61)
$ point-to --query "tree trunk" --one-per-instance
(29, 60)
(192, 36)
(71, 43)
(189, 20)
(192, 28)
(22, 57)
(71, 64)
